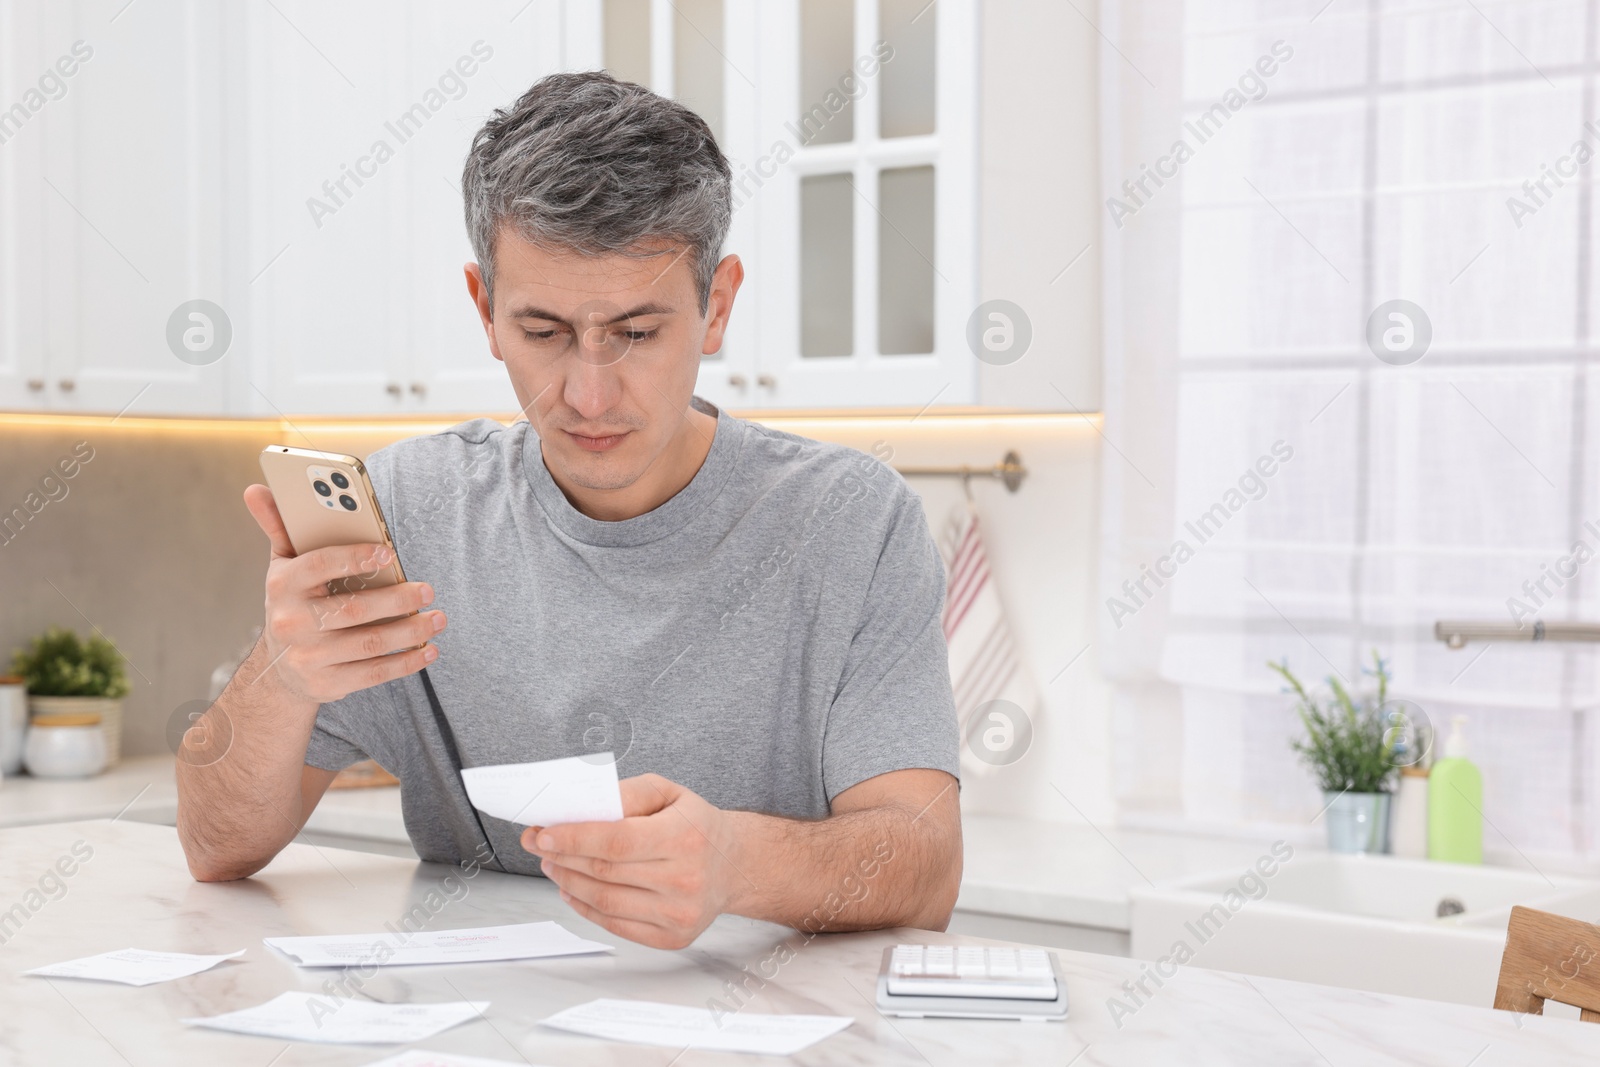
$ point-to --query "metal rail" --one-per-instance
(1009, 470)
(1456, 634)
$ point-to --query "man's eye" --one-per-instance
(635, 336)
(539, 335)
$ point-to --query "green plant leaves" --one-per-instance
(1345, 744)
(59, 664)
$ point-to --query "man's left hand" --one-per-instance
(658, 877)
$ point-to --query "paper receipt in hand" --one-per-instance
(549, 792)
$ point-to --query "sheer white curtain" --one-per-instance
(1281, 490)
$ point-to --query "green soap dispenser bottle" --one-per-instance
(1455, 803)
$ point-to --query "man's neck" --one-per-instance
(674, 469)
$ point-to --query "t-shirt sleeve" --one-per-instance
(334, 745)
(895, 710)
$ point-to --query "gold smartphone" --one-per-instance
(326, 499)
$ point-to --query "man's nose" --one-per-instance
(592, 389)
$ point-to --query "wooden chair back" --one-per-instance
(1549, 957)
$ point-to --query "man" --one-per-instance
(749, 620)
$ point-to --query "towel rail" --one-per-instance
(1456, 634)
(1009, 470)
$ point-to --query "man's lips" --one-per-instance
(596, 444)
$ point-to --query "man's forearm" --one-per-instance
(888, 865)
(239, 775)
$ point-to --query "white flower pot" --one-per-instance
(108, 708)
(65, 747)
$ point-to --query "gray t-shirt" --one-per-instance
(769, 637)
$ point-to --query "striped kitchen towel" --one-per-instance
(984, 664)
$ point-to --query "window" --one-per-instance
(1337, 159)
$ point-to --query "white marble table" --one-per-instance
(136, 891)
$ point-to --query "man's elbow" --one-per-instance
(205, 866)
(206, 870)
(208, 865)
(942, 888)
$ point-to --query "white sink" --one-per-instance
(1363, 922)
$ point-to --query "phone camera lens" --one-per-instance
(322, 488)
(340, 480)
(348, 501)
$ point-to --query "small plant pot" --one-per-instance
(1357, 822)
(108, 708)
(65, 746)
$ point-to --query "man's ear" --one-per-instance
(724, 287)
(479, 292)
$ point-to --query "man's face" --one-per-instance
(603, 352)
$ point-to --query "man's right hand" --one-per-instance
(321, 646)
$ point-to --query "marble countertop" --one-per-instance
(1050, 872)
(142, 788)
(1080, 874)
(135, 888)
(140, 785)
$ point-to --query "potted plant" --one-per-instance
(1349, 746)
(70, 676)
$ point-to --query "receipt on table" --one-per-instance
(422, 1058)
(398, 946)
(672, 1026)
(134, 966)
(343, 1021)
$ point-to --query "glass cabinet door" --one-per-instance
(849, 128)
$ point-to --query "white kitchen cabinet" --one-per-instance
(850, 129)
(328, 295)
(349, 342)
(298, 164)
(112, 206)
(22, 319)
(867, 248)
(356, 150)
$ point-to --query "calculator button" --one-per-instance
(1034, 964)
(907, 960)
(970, 962)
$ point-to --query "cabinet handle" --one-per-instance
(738, 381)
(36, 384)
(418, 389)
(766, 381)
(67, 385)
(393, 388)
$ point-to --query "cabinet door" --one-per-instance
(359, 144)
(849, 128)
(22, 366)
(328, 289)
(866, 203)
(118, 205)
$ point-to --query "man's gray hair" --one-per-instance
(589, 163)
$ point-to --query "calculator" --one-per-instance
(971, 982)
